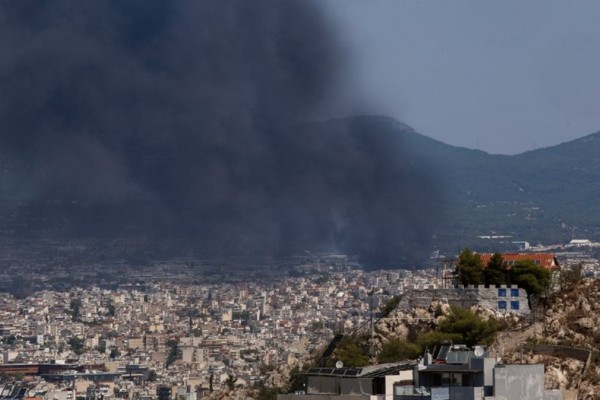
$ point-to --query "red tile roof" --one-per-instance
(547, 260)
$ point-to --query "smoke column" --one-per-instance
(191, 121)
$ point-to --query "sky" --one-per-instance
(504, 76)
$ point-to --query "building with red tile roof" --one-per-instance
(547, 260)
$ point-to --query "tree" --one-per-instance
(352, 352)
(398, 350)
(102, 346)
(298, 379)
(111, 309)
(75, 306)
(114, 353)
(76, 345)
(265, 393)
(495, 272)
(390, 306)
(230, 381)
(534, 278)
(173, 344)
(470, 268)
(472, 329)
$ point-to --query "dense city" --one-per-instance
(171, 328)
(193, 338)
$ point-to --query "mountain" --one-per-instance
(369, 186)
(546, 195)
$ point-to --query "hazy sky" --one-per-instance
(502, 76)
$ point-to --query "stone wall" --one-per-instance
(502, 298)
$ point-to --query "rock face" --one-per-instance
(404, 323)
(574, 316)
(571, 318)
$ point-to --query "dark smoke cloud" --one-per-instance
(187, 120)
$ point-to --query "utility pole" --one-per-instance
(372, 344)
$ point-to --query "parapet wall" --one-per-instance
(563, 351)
(503, 298)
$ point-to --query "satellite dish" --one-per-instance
(339, 364)
(478, 351)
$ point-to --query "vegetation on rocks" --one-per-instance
(414, 336)
(570, 319)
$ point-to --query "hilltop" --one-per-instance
(545, 195)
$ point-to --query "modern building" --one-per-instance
(370, 382)
(459, 373)
(456, 372)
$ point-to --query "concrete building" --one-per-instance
(459, 373)
(370, 382)
(454, 373)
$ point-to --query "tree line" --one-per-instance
(528, 275)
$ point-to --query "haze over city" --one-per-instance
(292, 199)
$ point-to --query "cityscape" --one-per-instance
(299, 200)
(170, 327)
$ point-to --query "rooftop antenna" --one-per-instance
(372, 344)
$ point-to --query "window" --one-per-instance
(514, 305)
(502, 305)
(400, 390)
(514, 292)
(502, 292)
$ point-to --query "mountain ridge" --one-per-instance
(541, 196)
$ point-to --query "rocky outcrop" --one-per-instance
(571, 319)
(410, 323)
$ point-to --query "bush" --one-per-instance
(534, 278)
(433, 339)
(398, 350)
(470, 268)
(472, 329)
(389, 306)
(352, 351)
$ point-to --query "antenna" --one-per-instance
(372, 347)
(478, 351)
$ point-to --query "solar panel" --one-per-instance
(335, 371)
(443, 353)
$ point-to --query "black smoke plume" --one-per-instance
(190, 121)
